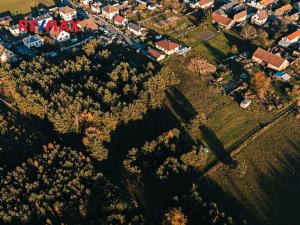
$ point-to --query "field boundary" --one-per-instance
(237, 147)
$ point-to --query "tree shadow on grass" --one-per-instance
(183, 108)
(216, 146)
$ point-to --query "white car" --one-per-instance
(245, 103)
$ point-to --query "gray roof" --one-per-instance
(134, 26)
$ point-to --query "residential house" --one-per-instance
(230, 5)
(243, 15)
(60, 36)
(88, 24)
(293, 16)
(222, 20)
(6, 55)
(67, 13)
(282, 76)
(33, 41)
(272, 61)
(109, 12)
(167, 46)
(15, 31)
(120, 20)
(260, 18)
(155, 55)
(136, 29)
(290, 39)
(96, 7)
(203, 4)
(86, 2)
(283, 9)
(40, 19)
(265, 3)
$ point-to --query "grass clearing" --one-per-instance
(270, 189)
(227, 122)
(22, 6)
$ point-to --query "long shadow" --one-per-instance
(216, 146)
(280, 188)
(181, 105)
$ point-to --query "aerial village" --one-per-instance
(131, 25)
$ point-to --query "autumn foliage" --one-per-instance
(261, 84)
(201, 66)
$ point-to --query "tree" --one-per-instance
(175, 217)
(263, 39)
(248, 32)
(261, 84)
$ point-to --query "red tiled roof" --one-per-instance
(240, 15)
(67, 10)
(221, 19)
(110, 9)
(119, 19)
(204, 2)
(88, 24)
(268, 57)
(294, 35)
(284, 9)
(266, 2)
(153, 53)
(55, 32)
(262, 14)
(167, 45)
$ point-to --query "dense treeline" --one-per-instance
(60, 116)
(61, 185)
(88, 95)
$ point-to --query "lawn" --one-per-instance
(172, 29)
(226, 122)
(218, 48)
(22, 6)
(269, 192)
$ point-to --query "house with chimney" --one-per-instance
(109, 12)
(167, 46)
(275, 62)
(67, 13)
(222, 20)
(260, 17)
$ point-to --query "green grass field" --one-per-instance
(270, 189)
(218, 48)
(22, 6)
(227, 121)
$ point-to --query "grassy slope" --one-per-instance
(270, 189)
(22, 6)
